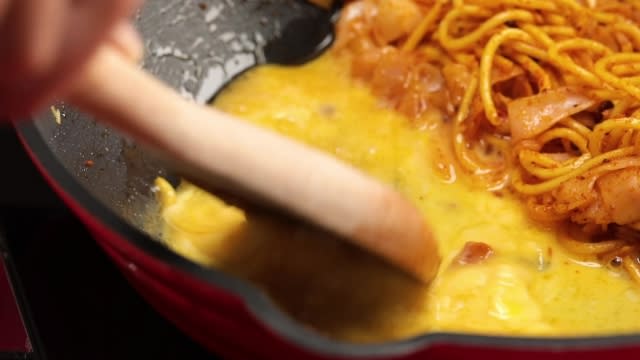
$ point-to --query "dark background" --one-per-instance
(20, 184)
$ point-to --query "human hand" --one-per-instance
(44, 45)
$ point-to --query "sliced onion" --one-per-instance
(531, 115)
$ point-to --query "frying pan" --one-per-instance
(197, 47)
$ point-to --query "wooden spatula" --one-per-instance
(208, 146)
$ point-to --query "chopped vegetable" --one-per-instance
(474, 253)
(532, 115)
(56, 115)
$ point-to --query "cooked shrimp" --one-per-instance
(615, 199)
(399, 18)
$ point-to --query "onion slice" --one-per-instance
(531, 115)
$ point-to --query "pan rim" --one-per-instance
(264, 309)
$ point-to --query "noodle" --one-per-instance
(421, 31)
(602, 70)
(485, 69)
(571, 69)
(590, 248)
(633, 268)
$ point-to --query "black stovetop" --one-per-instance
(76, 303)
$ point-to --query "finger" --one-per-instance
(89, 24)
(32, 34)
(97, 19)
(30, 42)
(127, 41)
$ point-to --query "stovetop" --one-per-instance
(74, 303)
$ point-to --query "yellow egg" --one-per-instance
(198, 224)
(530, 285)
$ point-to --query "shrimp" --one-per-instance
(377, 21)
(356, 26)
(615, 199)
(396, 18)
(367, 33)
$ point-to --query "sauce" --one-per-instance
(526, 284)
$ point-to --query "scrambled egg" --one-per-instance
(528, 286)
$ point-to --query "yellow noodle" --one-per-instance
(471, 39)
(538, 35)
(434, 54)
(631, 30)
(582, 44)
(531, 189)
(466, 59)
(460, 144)
(602, 129)
(485, 69)
(525, 4)
(614, 139)
(623, 42)
(633, 268)
(425, 26)
(565, 133)
(602, 70)
(565, 62)
(544, 168)
(625, 69)
(529, 50)
(558, 30)
(554, 19)
(543, 81)
(587, 248)
(576, 126)
(627, 138)
(503, 63)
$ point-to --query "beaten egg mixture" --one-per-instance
(528, 286)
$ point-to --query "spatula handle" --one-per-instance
(204, 144)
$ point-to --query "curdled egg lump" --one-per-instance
(197, 223)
